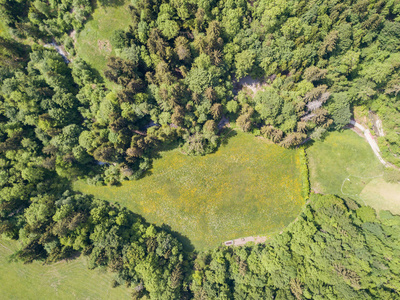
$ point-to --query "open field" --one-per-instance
(93, 42)
(248, 187)
(343, 164)
(62, 280)
(382, 195)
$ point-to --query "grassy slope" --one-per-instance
(93, 42)
(343, 164)
(248, 187)
(62, 280)
(382, 195)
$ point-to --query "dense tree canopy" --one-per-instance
(177, 68)
(334, 250)
(174, 80)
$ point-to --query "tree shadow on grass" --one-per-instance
(112, 3)
(104, 3)
(156, 154)
(226, 135)
(184, 240)
(97, 75)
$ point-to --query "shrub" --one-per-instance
(304, 173)
(391, 175)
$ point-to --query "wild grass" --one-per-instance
(382, 195)
(343, 164)
(248, 187)
(93, 42)
(62, 280)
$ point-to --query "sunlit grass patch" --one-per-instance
(93, 42)
(343, 164)
(248, 187)
(61, 280)
(382, 195)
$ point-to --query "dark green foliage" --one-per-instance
(177, 62)
(12, 53)
(173, 80)
(110, 236)
(330, 250)
(44, 18)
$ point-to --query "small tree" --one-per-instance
(216, 110)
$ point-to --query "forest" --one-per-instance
(173, 80)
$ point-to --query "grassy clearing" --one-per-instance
(343, 164)
(62, 280)
(93, 42)
(248, 187)
(382, 195)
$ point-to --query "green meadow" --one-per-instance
(93, 42)
(382, 195)
(247, 187)
(61, 280)
(343, 164)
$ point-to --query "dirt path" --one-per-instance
(371, 141)
(59, 49)
(244, 241)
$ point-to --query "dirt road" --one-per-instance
(370, 141)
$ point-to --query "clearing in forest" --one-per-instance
(94, 41)
(248, 187)
(61, 280)
(382, 195)
(343, 164)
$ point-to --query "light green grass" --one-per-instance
(343, 164)
(382, 195)
(248, 187)
(93, 42)
(4, 30)
(62, 280)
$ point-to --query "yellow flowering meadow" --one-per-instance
(248, 187)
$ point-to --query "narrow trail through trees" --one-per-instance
(371, 141)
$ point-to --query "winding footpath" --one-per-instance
(370, 141)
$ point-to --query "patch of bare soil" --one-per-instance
(223, 123)
(251, 84)
(244, 241)
(355, 129)
(376, 123)
(104, 45)
(73, 35)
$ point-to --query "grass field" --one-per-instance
(62, 280)
(93, 42)
(343, 164)
(382, 195)
(248, 187)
